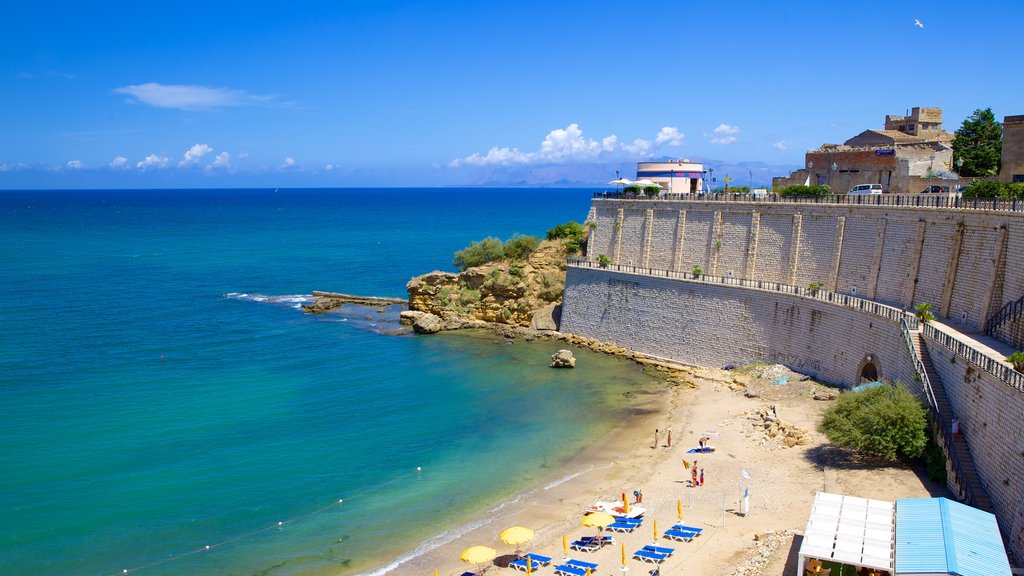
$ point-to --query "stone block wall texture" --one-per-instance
(697, 244)
(714, 325)
(732, 254)
(895, 275)
(902, 269)
(633, 229)
(856, 268)
(973, 278)
(774, 247)
(992, 419)
(817, 250)
(664, 241)
(931, 274)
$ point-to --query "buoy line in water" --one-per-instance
(277, 525)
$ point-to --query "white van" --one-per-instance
(866, 189)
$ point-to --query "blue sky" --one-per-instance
(467, 93)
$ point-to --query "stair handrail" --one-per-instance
(1010, 309)
(937, 418)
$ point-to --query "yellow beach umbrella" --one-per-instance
(623, 554)
(625, 504)
(655, 531)
(679, 510)
(478, 554)
(529, 566)
(598, 520)
(565, 546)
(516, 535)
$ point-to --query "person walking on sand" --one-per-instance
(701, 476)
(656, 434)
(693, 474)
(639, 496)
(669, 438)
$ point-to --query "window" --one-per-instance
(1018, 177)
(910, 127)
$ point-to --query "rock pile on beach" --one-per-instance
(777, 432)
(760, 552)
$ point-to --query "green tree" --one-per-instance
(923, 311)
(519, 247)
(574, 235)
(1017, 359)
(486, 250)
(979, 143)
(886, 421)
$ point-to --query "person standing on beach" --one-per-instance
(656, 434)
(693, 473)
(669, 437)
(701, 476)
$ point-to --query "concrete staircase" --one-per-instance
(957, 449)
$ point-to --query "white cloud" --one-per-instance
(119, 162)
(781, 145)
(328, 167)
(153, 161)
(725, 134)
(222, 160)
(74, 165)
(669, 135)
(570, 145)
(194, 154)
(185, 97)
(288, 165)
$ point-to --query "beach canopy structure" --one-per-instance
(848, 530)
(909, 537)
(940, 536)
(598, 520)
(516, 535)
(478, 554)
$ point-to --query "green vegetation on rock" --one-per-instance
(574, 234)
(490, 249)
(801, 190)
(923, 311)
(886, 421)
(993, 189)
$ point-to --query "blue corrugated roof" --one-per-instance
(937, 535)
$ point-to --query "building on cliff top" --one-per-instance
(1013, 150)
(679, 177)
(905, 157)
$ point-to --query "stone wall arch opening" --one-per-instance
(870, 370)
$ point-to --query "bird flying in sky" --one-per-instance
(918, 23)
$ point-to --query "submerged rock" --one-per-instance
(563, 359)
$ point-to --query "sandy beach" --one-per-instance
(782, 483)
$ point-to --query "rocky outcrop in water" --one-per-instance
(563, 359)
(524, 293)
(327, 301)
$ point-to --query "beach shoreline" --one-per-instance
(783, 482)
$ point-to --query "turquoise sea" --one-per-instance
(160, 392)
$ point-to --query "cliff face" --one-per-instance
(503, 292)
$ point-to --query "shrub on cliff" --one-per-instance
(801, 190)
(993, 189)
(886, 421)
(519, 247)
(487, 250)
(572, 232)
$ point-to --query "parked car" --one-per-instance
(936, 190)
(866, 189)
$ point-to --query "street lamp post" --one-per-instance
(834, 166)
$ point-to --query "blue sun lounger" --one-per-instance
(591, 543)
(567, 570)
(539, 560)
(680, 535)
(627, 519)
(648, 556)
(660, 549)
(683, 528)
(622, 526)
(582, 564)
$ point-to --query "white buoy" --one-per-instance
(418, 469)
(280, 523)
(207, 546)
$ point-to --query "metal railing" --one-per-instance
(993, 365)
(887, 312)
(949, 201)
(946, 431)
(1010, 310)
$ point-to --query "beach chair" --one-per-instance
(659, 549)
(622, 527)
(680, 535)
(520, 564)
(586, 544)
(647, 556)
(539, 560)
(683, 528)
(566, 570)
(582, 564)
(628, 520)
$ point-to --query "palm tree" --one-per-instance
(923, 311)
